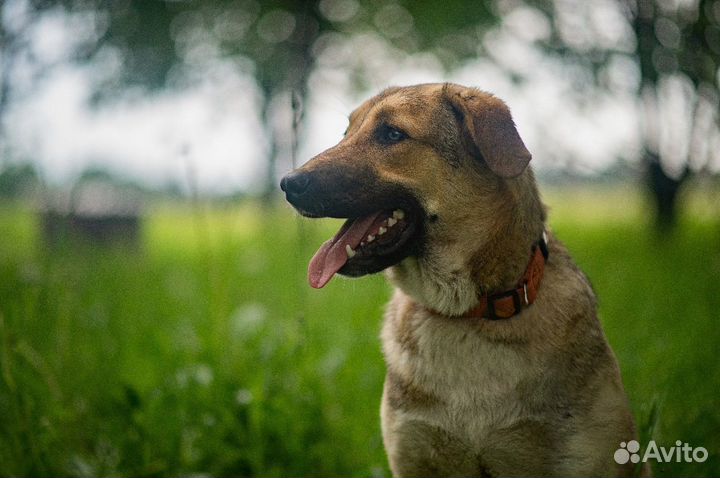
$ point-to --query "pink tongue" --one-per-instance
(332, 254)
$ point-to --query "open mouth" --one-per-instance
(365, 245)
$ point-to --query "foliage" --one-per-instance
(664, 52)
(673, 50)
(17, 180)
(165, 43)
(207, 353)
(153, 37)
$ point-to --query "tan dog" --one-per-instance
(497, 364)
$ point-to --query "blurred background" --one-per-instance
(155, 317)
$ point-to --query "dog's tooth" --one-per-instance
(349, 250)
(391, 221)
(381, 231)
(362, 244)
(398, 214)
(370, 238)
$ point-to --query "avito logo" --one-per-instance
(681, 452)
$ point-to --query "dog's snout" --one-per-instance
(295, 183)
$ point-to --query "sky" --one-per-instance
(208, 132)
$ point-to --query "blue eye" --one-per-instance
(388, 134)
(394, 135)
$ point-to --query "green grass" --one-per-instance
(208, 353)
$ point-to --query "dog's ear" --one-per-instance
(491, 128)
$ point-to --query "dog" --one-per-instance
(497, 364)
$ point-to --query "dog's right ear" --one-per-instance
(488, 122)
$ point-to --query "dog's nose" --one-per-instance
(295, 183)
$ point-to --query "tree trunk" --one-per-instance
(269, 186)
(663, 190)
(7, 55)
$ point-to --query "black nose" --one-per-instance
(295, 183)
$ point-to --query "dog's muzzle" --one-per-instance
(295, 184)
(383, 224)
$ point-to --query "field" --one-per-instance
(206, 352)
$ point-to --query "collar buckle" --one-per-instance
(542, 244)
(491, 309)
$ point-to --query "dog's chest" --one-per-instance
(474, 382)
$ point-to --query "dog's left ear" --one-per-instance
(491, 128)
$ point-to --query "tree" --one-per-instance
(672, 45)
(277, 41)
(675, 47)
(681, 42)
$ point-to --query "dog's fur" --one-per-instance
(534, 395)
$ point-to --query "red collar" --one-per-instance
(503, 305)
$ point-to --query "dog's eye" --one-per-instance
(394, 135)
(388, 134)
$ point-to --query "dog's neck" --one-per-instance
(489, 257)
(500, 261)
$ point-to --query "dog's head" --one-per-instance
(415, 164)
